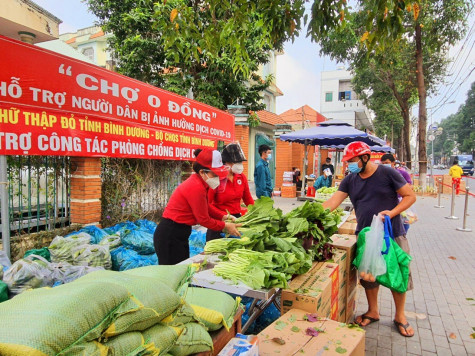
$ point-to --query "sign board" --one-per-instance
(433, 127)
(51, 104)
(431, 137)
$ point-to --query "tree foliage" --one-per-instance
(458, 130)
(180, 45)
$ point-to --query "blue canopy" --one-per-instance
(332, 133)
(385, 148)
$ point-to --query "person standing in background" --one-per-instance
(328, 164)
(456, 173)
(324, 181)
(262, 177)
(389, 161)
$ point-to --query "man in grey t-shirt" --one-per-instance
(373, 190)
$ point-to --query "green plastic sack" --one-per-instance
(213, 308)
(161, 338)
(157, 299)
(3, 291)
(52, 321)
(397, 260)
(176, 277)
(131, 343)
(183, 315)
(193, 339)
(43, 252)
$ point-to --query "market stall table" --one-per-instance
(207, 279)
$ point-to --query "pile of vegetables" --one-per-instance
(327, 190)
(274, 247)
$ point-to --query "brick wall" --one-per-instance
(86, 190)
(283, 162)
(298, 154)
(241, 135)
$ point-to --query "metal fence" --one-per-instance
(137, 188)
(38, 193)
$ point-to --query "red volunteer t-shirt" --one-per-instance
(230, 199)
(189, 205)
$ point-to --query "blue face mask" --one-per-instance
(353, 167)
(269, 157)
(387, 165)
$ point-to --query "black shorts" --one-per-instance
(171, 242)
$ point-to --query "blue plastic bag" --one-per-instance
(121, 227)
(124, 259)
(96, 233)
(197, 239)
(138, 240)
(148, 225)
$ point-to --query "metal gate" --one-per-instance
(38, 193)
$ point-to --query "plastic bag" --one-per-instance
(96, 233)
(68, 273)
(409, 216)
(4, 263)
(61, 247)
(92, 255)
(43, 252)
(124, 259)
(112, 241)
(372, 261)
(148, 225)
(139, 240)
(30, 272)
(120, 228)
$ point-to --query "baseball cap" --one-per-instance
(211, 159)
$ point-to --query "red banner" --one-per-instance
(55, 105)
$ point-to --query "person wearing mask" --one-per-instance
(296, 178)
(236, 189)
(262, 177)
(328, 165)
(373, 190)
(456, 173)
(324, 180)
(189, 206)
(389, 161)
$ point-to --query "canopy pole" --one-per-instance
(302, 191)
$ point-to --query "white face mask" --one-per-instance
(237, 168)
(212, 182)
(387, 165)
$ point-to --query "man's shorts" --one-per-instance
(404, 244)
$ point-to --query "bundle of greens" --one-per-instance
(271, 243)
(261, 269)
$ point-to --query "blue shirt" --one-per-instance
(262, 179)
(322, 182)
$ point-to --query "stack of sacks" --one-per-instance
(145, 311)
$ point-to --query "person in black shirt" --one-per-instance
(296, 178)
(328, 164)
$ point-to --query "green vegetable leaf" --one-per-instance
(295, 329)
(340, 350)
(280, 325)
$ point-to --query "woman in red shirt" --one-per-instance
(189, 206)
(236, 188)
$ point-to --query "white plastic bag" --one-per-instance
(373, 263)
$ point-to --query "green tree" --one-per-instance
(165, 44)
(466, 135)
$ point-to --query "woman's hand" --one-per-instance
(229, 217)
(231, 229)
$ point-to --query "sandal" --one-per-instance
(366, 317)
(404, 326)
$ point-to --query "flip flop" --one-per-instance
(404, 326)
(366, 317)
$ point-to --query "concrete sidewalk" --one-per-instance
(443, 270)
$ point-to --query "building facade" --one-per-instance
(339, 101)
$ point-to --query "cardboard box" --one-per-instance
(447, 187)
(311, 291)
(291, 328)
(351, 307)
(348, 228)
(288, 192)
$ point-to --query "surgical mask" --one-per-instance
(269, 157)
(387, 165)
(237, 168)
(353, 167)
(212, 182)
